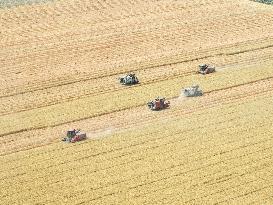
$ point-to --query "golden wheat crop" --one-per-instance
(172, 152)
(123, 99)
(59, 64)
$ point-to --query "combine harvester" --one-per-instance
(74, 136)
(192, 91)
(206, 69)
(129, 79)
(158, 104)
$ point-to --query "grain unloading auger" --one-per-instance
(206, 69)
(192, 91)
(74, 136)
(158, 104)
(129, 79)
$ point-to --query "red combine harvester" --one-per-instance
(74, 136)
(158, 104)
(206, 69)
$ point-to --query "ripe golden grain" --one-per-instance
(59, 65)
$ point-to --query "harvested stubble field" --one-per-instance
(59, 64)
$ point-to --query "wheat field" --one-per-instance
(60, 61)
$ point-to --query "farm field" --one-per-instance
(59, 68)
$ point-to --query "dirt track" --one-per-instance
(59, 66)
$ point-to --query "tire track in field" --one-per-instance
(264, 199)
(105, 88)
(109, 87)
(245, 194)
(134, 144)
(73, 196)
(114, 111)
(167, 170)
(134, 26)
(105, 85)
(157, 30)
(158, 171)
(193, 109)
(138, 143)
(175, 175)
(192, 186)
(212, 102)
(193, 15)
(160, 64)
(84, 78)
(121, 19)
(221, 190)
(121, 148)
(9, 69)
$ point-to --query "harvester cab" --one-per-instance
(158, 104)
(206, 69)
(71, 133)
(203, 67)
(129, 79)
(192, 91)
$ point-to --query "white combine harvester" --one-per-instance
(192, 91)
(129, 79)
